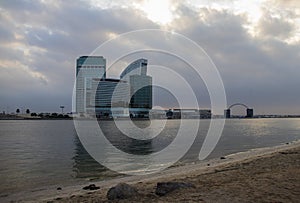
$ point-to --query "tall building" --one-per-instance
(111, 97)
(138, 67)
(87, 68)
(140, 84)
(106, 97)
(140, 91)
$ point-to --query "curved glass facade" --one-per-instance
(135, 74)
(95, 92)
(138, 67)
(106, 89)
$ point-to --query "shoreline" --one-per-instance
(141, 119)
(146, 183)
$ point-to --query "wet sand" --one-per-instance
(260, 175)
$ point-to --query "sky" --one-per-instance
(255, 46)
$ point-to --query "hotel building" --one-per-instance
(131, 95)
(87, 68)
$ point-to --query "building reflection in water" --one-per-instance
(86, 167)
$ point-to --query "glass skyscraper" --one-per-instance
(96, 94)
(87, 68)
(140, 87)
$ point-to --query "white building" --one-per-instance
(96, 94)
(87, 68)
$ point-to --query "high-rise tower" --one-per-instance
(87, 68)
(135, 74)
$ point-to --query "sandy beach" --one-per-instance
(259, 175)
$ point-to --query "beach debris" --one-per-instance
(164, 188)
(121, 191)
(288, 152)
(59, 188)
(91, 187)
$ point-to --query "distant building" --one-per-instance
(138, 67)
(227, 113)
(250, 113)
(169, 114)
(157, 114)
(188, 114)
(140, 84)
(87, 68)
(131, 95)
(140, 91)
(111, 97)
(205, 113)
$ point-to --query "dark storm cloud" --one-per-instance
(260, 70)
(51, 38)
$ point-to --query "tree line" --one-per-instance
(44, 115)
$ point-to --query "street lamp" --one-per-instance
(62, 109)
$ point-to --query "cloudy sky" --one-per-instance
(254, 44)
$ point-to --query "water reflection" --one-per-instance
(36, 154)
(238, 135)
(139, 147)
(86, 167)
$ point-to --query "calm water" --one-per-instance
(37, 154)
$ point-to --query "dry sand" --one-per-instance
(261, 175)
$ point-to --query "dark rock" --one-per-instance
(164, 188)
(59, 188)
(208, 164)
(222, 157)
(121, 191)
(91, 187)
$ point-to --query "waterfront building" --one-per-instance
(188, 114)
(106, 97)
(140, 91)
(205, 113)
(87, 68)
(250, 113)
(158, 114)
(138, 67)
(135, 74)
(111, 98)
